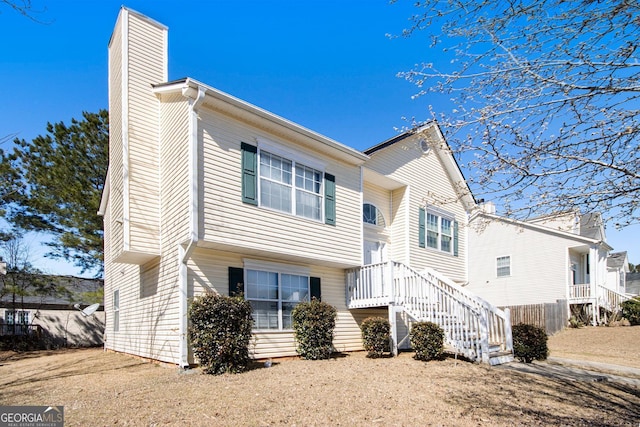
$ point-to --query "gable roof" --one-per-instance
(236, 107)
(541, 228)
(443, 150)
(66, 290)
(618, 260)
(592, 226)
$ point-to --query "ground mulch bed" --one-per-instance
(105, 388)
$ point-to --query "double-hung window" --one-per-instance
(273, 295)
(289, 183)
(289, 186)
(503, 266)
(438, 230)
(116, 311)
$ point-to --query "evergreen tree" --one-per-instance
(54, 184)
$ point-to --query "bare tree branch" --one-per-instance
(545, 112)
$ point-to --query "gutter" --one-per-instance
(185, 253)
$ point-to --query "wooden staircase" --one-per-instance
(473, 328)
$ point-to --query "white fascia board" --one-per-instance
(540, 228)
(228, 103)
(452, 168)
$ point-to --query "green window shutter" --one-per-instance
(249, 173)
(421, 228)
(236, 281)
(314, 285)
(455, 238)
(329, 199)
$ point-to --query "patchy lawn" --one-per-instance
(101, 388)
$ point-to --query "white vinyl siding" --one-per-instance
(137, 60)
(529, 251)
(428, 184)
(208, 272)
(229, 223)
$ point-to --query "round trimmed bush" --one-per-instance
(220, 332)
(631, 310)
(529, 343)
(427, 340)
(376, 333)
(313, 324)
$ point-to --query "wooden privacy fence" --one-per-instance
(551, 317)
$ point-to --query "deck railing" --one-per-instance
(604, 297)
(470, 323)
(580, 291)
(610, 299)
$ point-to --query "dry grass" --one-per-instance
(619, 345)
(99, 388)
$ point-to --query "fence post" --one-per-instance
(394, 329)
(507, 330)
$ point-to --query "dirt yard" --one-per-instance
(98, 388)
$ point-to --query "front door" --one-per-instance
(373, 252)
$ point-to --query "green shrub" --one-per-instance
(220, 332)
(631, 310)
(529, 343)
(427, 339)
(313, 324)
(376, 333)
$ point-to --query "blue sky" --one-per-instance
(326, 65)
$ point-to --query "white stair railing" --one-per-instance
(610, 299)
(470, 323)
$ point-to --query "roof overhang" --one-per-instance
(432, 133)
(541, 228)
(383, 181)
(242, 110)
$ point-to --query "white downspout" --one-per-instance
(185, 253)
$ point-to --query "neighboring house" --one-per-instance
(632, 285)
(207, 193)
(48, 310)
(561, 257)
(617, 270)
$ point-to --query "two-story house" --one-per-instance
(561, 258)
(208, 193)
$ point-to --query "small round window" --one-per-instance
(371, 215)
(424, 145)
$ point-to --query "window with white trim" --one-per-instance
(289, 186)
(116, 310)
(439, 231)
(372, 215)
(503, 266)
(273, 295)
(16, 317)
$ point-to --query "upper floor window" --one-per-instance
(274, 181)
(503, 266)
(438, 230)
(372, 215)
